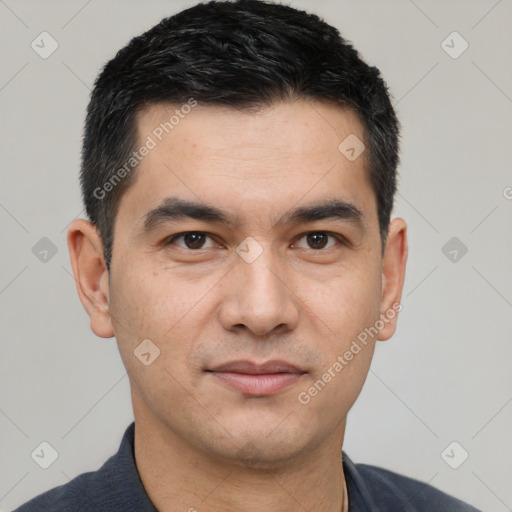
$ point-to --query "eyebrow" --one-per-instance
(174, 208)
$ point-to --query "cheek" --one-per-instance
(348, 303)
(158, 306)
(149, 307)
(147, 301)
(348, 308)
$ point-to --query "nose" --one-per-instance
(259, 296)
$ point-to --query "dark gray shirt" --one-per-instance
(117, 487)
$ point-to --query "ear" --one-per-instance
(91, 275)
(393, 276)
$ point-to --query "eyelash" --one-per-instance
(170, 240)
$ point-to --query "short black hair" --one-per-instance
(245, 54)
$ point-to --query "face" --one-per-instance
(248, 239)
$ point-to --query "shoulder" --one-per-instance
(114, 487)
(389, 491)
(84, 493)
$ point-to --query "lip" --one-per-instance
(257, 379)
(249, 367)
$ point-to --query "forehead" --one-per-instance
(304, 127)
(255, 163)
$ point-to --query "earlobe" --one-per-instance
(91, 275)
(393, 276)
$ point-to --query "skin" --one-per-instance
(200, 444)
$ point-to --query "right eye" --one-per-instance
(191, 240)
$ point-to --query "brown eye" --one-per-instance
(194, 240)
(318, 240)
(191, 240)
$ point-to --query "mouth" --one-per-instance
(256, 379)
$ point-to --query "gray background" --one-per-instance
(445, 376)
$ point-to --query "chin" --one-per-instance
(264, 445)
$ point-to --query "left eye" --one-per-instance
(191, 240)
(318, 240)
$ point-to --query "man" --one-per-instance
(239, 169)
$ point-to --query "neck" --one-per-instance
(179, 477)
